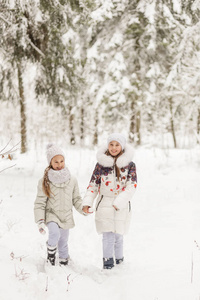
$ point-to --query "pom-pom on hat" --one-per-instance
(118, 137)
(53, 150)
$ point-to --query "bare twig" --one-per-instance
(12, 255)
(11, 223)
(197, 245)
(21, 274)
(11, 150)
(5, 146)
(69, 279)
(7, 168)
(4, 152)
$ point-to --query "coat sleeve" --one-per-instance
(40, 203)
(93, 187)
(76, 198)
(125, 196)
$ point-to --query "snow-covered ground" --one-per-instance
(162, 258)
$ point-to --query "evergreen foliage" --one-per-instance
(131, 66)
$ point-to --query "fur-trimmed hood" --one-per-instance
(108, 161)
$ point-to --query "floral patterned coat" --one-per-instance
(112, 191)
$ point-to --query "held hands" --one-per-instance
(41, 227)
(88, 209)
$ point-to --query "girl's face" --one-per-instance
(58, 162)
(114, 148)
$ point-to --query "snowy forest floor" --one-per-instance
(161, 250)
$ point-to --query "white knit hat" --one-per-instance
(118, 137)
(53, 150)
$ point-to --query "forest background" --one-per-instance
(77, 69)
(72, 72)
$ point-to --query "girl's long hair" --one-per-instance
(117, 170)
(46, 182)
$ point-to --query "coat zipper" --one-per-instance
(99, 202)
(115, 183)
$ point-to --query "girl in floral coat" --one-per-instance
(114, 180)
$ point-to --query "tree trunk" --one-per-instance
(22, 110)
(172, 122)
(82, 125)
(95, 137)
(198, 126)
(134, 130)
(138, 122)
(132, 123)
(198, 122)
(71, 127)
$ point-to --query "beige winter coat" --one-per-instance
(58, 207)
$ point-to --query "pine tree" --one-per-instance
(16, 50)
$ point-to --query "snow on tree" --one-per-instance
(86, 68)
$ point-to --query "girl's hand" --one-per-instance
(87, 209)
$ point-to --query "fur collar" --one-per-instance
(108, 161)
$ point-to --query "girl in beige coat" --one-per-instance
(57, 193)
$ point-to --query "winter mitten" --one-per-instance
(41, 226)
(91, 210)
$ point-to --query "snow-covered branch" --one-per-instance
(6, 152)
(28, 40)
